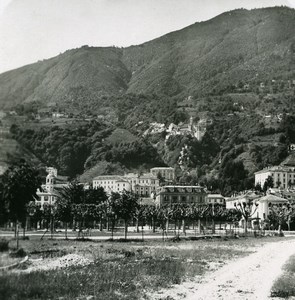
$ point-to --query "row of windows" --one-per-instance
(183, 199)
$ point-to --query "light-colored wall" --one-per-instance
(112, 185)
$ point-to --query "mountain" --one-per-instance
(237, 46)
(234, 73)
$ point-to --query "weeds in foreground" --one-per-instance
(284, 286)
(119, 271)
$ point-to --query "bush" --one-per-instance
(18, 253)
(3, 245)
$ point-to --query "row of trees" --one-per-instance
(86, 208)
(125, 207)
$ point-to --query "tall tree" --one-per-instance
(125, 208)
(19, 186)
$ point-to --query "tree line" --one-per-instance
(78, 207)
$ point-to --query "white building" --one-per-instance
(264, 203)
(215, 199)
(283, 176)
(144, 185)
(112, 183)
(167, 173)
(49, 192)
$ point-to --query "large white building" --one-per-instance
(144, 185)
(112, 183)
(283, 176)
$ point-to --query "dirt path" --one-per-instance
(249, 278)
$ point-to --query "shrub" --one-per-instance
(18, 253)
(3, 245)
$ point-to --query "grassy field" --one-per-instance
(284, 286)
(116, 270)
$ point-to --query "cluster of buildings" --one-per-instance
(195, 130)
(158, 188)
(146, 185)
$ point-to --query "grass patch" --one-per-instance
(119, 270)
(284, 286)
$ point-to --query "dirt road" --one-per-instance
(249, 277)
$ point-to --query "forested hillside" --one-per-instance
(209, 57)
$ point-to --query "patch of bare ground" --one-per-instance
(249, 277)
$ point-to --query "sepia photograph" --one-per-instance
(147, 149)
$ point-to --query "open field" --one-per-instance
(60, 269)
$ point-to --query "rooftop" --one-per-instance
(110, 177)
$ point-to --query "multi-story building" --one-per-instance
(283, 176)
(49, 192)
(173, 194)
(112, 183)
(215, 199)
(167, 173)
(144, 185)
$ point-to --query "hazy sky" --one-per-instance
(32, 30)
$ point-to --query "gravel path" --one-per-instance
(249, 277)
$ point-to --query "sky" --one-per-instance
(32, 30)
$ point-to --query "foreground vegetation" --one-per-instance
(284, 286)
(118, 270)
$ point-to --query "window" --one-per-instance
(45, 198)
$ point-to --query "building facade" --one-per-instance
(173, 194)
(49, 192)
(167, 173)
(283, 176)
(215, 199)
(144, 185)
(111, 183)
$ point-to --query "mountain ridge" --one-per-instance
(203, 56)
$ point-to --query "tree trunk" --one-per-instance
(125, 229)
(100, 224)
(142, 234)
(199, 226)
(183, 227)
(167, 224)
(137, 225)
(246, 226)
(213, 226)
(153, 225)
(66, 230)
(16, 235)
(15, 229)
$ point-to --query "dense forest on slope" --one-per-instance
(236, 47)
(74, 149)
